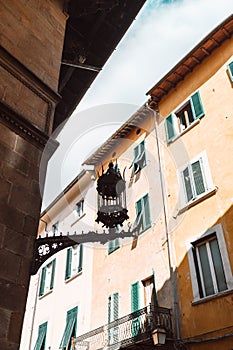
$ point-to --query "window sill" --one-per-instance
(186, 130)
(73, 277)
(212, 297)
(197, 200)
(45, 294)
(79, 218)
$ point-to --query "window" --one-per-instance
(79, 207)
(47, 278)
(139, 161)
(41, 338)
(143, 213)
(135, 302)
(114, 244)
(74, 261)
(70, 329)
(196, 179)
(149, 291)
(181, 119)
(209, 264)
(113, 314)
(135, 306)
(230, 70)
(55, 228)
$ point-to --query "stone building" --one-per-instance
(50, 53)
(174, 275)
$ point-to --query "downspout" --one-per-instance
(163, 190)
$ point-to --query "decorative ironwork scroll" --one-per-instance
(47, 246)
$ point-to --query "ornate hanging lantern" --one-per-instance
(111, 190)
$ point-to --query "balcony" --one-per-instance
(126, 331)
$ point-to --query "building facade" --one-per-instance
(43, 48)
(193, 105)
(174, 274)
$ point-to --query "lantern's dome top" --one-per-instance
(111, 184)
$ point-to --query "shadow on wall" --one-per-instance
(207, 321)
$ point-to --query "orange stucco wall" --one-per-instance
(213, 134)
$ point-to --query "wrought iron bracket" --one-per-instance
(47, 246)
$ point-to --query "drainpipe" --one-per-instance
(154, 109)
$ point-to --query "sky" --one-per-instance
(161, 35)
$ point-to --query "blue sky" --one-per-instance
(162, 34)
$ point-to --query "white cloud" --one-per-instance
(163, 33)
(158, 39)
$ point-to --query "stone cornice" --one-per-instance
(26, 76)
(25, 129)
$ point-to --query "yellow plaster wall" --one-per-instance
(214, 134)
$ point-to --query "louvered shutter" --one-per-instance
(53, 273)
(115, 306)
(218, 265)
(187, 184)
(68, 263)
(198, 178)
(42, 281)
(146, 206)
(196, 105)
(70, 329)
(170, 128)
(230, 70)
(135, 296)
(40, 342)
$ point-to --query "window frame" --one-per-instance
(173, 130)
(70, 271)
(206, 177)
(79, 208)
(206, 236)
(141, 215)
(55, 228)
(139, 154)
(44, 278)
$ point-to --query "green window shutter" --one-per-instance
(40, 342)
(218, 265)
(115, 306)
(68, 263)
(42, 281)
(187, 184)
(146, 211)
(230, 70)
(138, 207)
(109, 309)
(70, 329)
(135, 305)
(205, 267)
(170, 129)
(196, 104)
(198, 178)
(110, 246)
(53, 273)
(117, 243)
(80, 265)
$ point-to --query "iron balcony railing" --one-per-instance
(133, 328)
